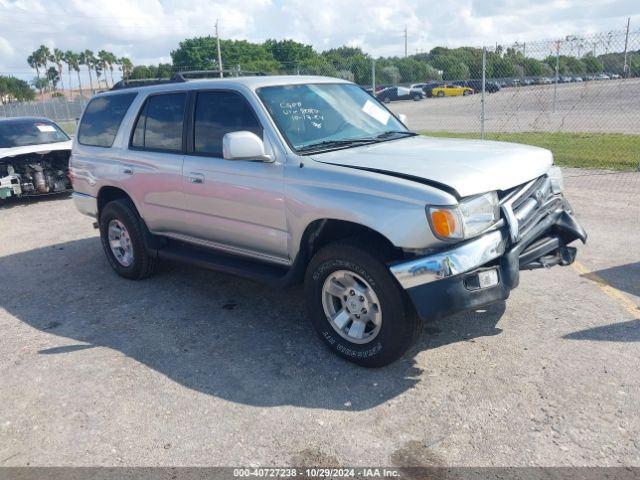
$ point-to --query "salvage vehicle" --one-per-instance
(34, 157)
(295, 179)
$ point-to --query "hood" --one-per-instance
(467, 166)
(43, 148)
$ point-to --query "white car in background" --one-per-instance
(34, 157)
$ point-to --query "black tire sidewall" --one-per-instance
(122, 211)
(395, 334)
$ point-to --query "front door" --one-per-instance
(234, 205)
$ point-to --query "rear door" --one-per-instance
(154, 161)
(233, 205)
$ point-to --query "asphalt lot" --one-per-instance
(198, 368)
(609, 106)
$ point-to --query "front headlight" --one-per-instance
(471, 217)
(557, 182)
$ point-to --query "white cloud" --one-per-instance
(147, 30)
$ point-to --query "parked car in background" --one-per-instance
(476, 85)
(426, 87)
(309, 180)
(451, 90)
(34, 157)
(393, 94)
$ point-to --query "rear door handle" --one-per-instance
(196, 178)
(127, 170)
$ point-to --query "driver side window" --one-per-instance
(219, 113)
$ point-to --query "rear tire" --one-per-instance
(441, 94)
(376, 293)
(131, 259)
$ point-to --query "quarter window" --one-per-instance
(159, 125)
(102, 118)
(218, 113)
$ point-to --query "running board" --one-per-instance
(222, 262)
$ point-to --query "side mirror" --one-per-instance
(403, 118)
(244, 145)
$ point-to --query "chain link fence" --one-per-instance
(578, 96)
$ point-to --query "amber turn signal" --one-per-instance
(444, 223)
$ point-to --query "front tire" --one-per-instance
(441, 94)
(122, 235)
(357, 307)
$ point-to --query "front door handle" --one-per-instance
(127, 170)
(196, 178)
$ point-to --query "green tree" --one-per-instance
(103, 63)
(15, 90)
(289, 51)
(125, 67)
(53, 77)
(453, 68)
(87, 58)
(591, 64)
(57, 57)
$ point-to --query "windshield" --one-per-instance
(323, 116)
(20, 132)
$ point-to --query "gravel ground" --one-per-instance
(198, 368)
(611, 106)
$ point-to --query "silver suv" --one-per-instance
(311, 179)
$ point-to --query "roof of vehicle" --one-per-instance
(251, 82)
(26, 119)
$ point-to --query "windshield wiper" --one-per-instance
(336, 143)
(389, 133)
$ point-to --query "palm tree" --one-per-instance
(125, 67)
(97, 67)
(53, 77)
(103, 63)
(113, 60)
(33, 63)
(42, 55)
(72, 60)
(58, 57)
(87, 58)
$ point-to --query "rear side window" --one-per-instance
(159, 125)
(102, 118)
(218, 113)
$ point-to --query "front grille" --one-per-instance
(525, 205)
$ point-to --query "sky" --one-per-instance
(147, 30)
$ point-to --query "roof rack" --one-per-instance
(142, 82)
(183, 76)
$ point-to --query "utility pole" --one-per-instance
(218, 45)
(625, 70)
(406, 42)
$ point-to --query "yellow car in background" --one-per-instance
(451, 91)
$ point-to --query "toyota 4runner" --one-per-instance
(311, 179)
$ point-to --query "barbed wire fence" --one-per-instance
(578, 96)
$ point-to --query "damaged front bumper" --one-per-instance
(485, 270)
